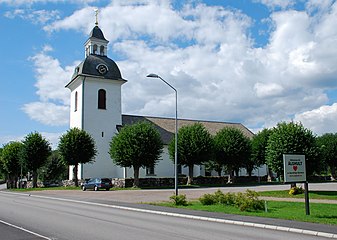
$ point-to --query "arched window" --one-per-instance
(101, 50)
(76, 100)
(101, 99)
(94, 50)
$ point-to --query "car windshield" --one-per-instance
(105, 180)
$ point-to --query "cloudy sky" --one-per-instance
(256, 62)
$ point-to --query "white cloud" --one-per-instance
(31, 2)
(208, 55)
(321, 120)
(53, 108)
(268, 90)
(48, 113)
(51, 77)
(53, 139)
(34, 16)
(283, 4)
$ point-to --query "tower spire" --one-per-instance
(96, 14)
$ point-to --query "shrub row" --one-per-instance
(247, 201)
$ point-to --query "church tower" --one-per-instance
(96, 103)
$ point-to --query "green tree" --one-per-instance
(54, 170)
(77, 146)
(259, 147)
(232, 149)
(195, 146)
(291, 138)
(35, 152)
(328, 148)
(10, 159)
(138, 145)
(2, 171)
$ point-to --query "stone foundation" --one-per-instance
(157, 182)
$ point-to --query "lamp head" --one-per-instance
(152, 75)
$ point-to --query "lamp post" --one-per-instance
(152, 75)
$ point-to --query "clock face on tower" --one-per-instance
(102, 69)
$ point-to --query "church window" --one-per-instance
(76, 100)
(101, 99)
(101, 50)
(94, 50)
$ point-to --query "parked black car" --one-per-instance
(97, 184)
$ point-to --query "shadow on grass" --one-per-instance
(325, 193)
(327, 216)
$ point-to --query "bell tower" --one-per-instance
(95, 103)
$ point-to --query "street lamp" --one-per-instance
(152, 75)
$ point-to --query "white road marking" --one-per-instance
(25, 230)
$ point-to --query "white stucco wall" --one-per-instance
(99, 123)
(165, 168)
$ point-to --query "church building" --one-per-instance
(96, 108)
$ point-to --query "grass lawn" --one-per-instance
(332, 195)
(320, 213)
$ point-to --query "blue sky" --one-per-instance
(256, 62)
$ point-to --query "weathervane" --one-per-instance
(96, 14)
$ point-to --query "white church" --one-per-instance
(96, 107)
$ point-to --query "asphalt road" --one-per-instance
(57, 219)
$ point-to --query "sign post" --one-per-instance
(294, 172)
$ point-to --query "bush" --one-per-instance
(247, 201)
(208, 199)
(296, 190)
(179, 200)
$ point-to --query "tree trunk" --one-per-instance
(237, 172)
(190, 174)
(333, 172)
(230, 176)
(34, 174)
(75, 177)
(249, 171)
(219, 172)
(136, 177)
(270, 174)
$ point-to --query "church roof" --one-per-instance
(166, 126)
(89, 67)
(96, 32)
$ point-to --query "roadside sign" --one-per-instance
(295, 172)
(294, 168)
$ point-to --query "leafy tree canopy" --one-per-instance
(328, 149)
(138, 145)
(259, 146)
(77, 146)
(35, 152)
(195, 146)
(291, 138)
(54, 170)
(10, 158)
(232, 148)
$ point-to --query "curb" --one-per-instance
(209, 219)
